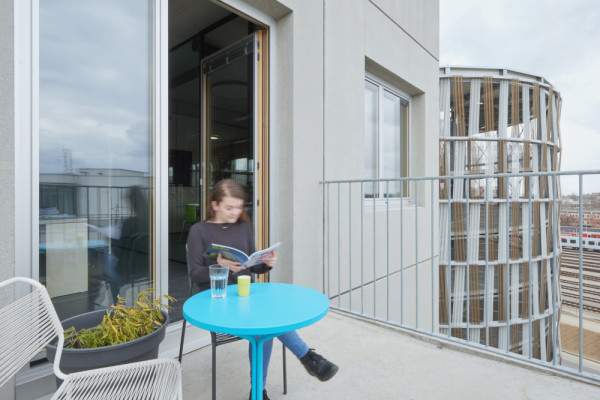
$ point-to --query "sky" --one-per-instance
(556, 39)
(95, 76)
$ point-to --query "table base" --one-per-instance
(257, 363)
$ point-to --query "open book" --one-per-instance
(234, 254)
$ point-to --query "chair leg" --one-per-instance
(284, 371)
(182, 337)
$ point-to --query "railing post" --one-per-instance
(387, 248)
(402, 255)
(362, 247)
(339, 234)
(449, 261)
(507, 265)
(530, 270)
(580, 273)
(374, 252)
(350, 289)
(416, 255)
(432, 256)
(555, 283)
(467, 249)
(487, 262)
(328, 197)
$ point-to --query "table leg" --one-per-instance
(257, 363)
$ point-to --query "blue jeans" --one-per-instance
(291, 340)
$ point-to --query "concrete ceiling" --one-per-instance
(188, 17)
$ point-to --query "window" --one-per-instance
(386, 139)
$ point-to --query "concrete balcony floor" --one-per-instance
(379, 362)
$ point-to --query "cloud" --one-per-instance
(553, 39)
(95, 84)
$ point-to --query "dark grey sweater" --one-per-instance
(204, 233)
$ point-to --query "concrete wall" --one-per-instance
(7, 159)
(297, 144)
(324, 50)
(366, 39)
(418, 19)
(7, 139)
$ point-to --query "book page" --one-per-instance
(258, 256)
(227, 252)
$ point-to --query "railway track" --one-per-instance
(569, 279)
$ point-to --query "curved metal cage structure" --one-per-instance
(500, 236)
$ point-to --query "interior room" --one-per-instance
(211, 114)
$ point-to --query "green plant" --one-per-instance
(121, 324)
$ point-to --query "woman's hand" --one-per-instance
(233, 265)
(271, 260)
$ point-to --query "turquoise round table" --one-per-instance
(271, 310)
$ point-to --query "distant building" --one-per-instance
(498, 121)
(570, 218)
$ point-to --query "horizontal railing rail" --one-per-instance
(474, 259)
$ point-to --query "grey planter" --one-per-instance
(75, 360)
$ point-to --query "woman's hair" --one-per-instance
(226, 188)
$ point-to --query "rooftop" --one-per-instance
(380, 361)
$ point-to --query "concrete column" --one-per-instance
(7, 159)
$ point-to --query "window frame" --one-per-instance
(384, 86)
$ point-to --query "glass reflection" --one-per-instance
(370, 136)
(95, 151)
(385, 142)
(391, 143)
(230, 118)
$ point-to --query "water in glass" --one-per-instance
(218, 286)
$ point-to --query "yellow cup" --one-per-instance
(243, 285)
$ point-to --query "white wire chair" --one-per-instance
(29, 323)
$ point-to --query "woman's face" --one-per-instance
(228, 210)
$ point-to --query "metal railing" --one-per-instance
(474, 259)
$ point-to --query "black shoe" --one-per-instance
(317, 366)
(265, 397)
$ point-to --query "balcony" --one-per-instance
(444, 281)
(383, 362)
(478, 260)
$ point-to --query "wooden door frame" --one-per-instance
(262, 139)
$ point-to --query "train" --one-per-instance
(569, 237)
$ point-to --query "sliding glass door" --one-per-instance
(216, 131)
(96, 151)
